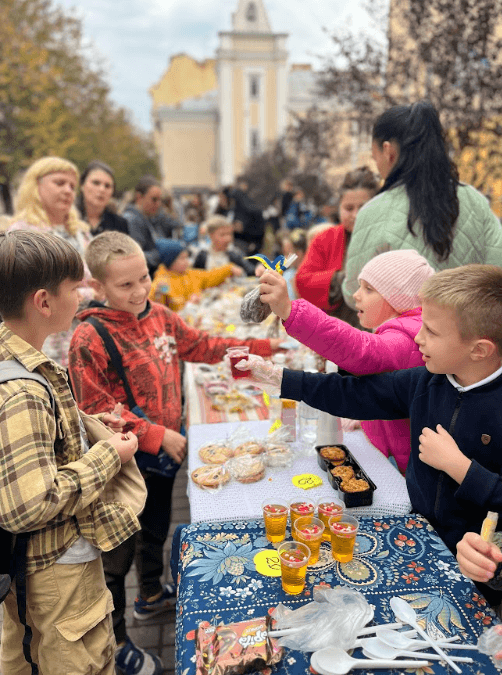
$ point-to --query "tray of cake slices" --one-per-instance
(346, 475)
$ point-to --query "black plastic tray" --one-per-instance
(351, 499)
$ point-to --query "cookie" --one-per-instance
(343, 472)
(215, 454)
(247, 468)
(249, 448)
(355, 485)
(210, 476)
(277, 455)
(333, 454)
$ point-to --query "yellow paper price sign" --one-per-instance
(230, 328)
(266, 399)
(276, 425)
(307, 481)
(267, 563)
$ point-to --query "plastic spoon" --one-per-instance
(405, 613)
(402, 641)
(279, 632)
(334, 661)
(374, 648)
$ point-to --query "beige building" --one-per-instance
(210, 117)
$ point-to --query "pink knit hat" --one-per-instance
(398, 277)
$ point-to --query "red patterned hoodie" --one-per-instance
(151, 347)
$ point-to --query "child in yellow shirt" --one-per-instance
(175, 282)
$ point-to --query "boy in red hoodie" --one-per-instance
(151, 340)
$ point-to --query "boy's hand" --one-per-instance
(125, 444)
(174, 444)
(476, 558)
(438, 449)
(237, 271)
(274, 291)
(113, 419)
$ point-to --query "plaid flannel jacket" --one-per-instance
(47, 485)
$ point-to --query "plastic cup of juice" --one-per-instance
(327, 509)
(300, 507)
(236, 354)
(294, 557)
(309, 530)
(343, 537)
(275, 515)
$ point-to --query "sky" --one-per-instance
(134, 39)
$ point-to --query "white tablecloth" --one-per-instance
(243, 501)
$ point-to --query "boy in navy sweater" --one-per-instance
(454, 403)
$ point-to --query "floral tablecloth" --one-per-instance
(403, 556)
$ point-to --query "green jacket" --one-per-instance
(381, 226)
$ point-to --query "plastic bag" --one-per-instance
(246, 468)
(490, 642)
(332, 620)
(253, 310)
(277, 453)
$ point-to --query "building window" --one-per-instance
(254, 86)
(255, 142)
(251, 12)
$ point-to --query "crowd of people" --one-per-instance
(402, 289)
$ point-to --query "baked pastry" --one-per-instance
(355, 485)
(249, 448)
(343, 472)
(333, 454)
(215, 453)
(278, 455)
(247, 468)
(210, 476)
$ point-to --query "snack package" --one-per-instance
(277, 453)
(246, 468)
(253, 310)
(235, 648)
(215, 452)
(211, 477)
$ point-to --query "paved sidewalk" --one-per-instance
(157, 635)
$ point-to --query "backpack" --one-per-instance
(13, 547)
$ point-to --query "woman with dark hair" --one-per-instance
(97, 185)
(421, 205)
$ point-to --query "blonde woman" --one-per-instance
(45, 203)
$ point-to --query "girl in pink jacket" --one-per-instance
(387, 301)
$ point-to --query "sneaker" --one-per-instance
(144, 609)
(131, 660)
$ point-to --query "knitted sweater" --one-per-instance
(391, 347)
(324, 257)
(381, 226)
(152, 346)
(174, 290)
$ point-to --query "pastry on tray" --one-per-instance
(355, 485)
(343, 472)
(333, 454)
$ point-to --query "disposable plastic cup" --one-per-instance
(343, 537)
(294, 558)
(275, 515)
(309, 530)
(300, 507)
(326, 509)
(235, 355)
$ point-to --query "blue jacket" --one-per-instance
(473, 418)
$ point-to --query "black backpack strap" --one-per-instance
(20, 549)
(115, 358)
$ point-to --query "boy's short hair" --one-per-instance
(215, 222)
(30, 261)
(474, 293)
(105, 248)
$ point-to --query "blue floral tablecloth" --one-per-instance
(218, 583)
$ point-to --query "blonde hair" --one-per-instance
(474, 293)
(215, 222)
(105, 248)
(28, 203)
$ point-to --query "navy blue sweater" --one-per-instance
(473, 418)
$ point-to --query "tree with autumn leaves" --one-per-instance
(53, 101)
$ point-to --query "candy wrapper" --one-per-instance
(235, 648)
(253, 310)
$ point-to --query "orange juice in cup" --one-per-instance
(299, 508)
(309, 530)
(294, 558)
(275, 515)
(343, 537)
(327, 509)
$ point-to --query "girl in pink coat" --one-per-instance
(387, 301)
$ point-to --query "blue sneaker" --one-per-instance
(145, 610)
(131, 660)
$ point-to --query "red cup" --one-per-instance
(235, 355)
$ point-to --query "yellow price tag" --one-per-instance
(267, 563)
(307, 481)
(230, 328)
(276, 425)
(266, 399)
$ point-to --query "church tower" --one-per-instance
(251, 64)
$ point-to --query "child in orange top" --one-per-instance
(175, 282)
